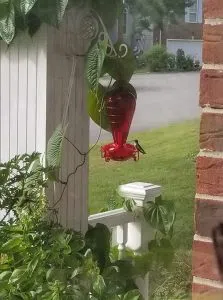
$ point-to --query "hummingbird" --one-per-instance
(138, 147)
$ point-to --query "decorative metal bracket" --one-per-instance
(90, 26)
(111, 51)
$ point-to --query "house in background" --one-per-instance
(187, 34)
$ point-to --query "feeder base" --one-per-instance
(119, 153)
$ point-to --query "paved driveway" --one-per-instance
(162, 99)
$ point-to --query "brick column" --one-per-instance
(209, 197)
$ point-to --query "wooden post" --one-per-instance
(34, 76)
(67, 50)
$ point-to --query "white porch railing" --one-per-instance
(129, 230)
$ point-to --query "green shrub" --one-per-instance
(189, 65)
(197, 65)
(185, 62)
(141, 61)
(41, 260)
(171, 62)
(157, 59)
(181, 60)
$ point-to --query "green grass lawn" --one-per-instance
(169, 162)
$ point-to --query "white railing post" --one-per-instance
(122, 238)
(139, 232)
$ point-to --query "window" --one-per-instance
(192, 12)
(192, 17)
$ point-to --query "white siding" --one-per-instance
(34, 78)
(200, 11)
(22, 73)
(5, 103)
(41, 90)
(14, 90)
(32, 95)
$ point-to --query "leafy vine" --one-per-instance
(21, 15)
(41, 260)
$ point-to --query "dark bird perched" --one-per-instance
(139, 148)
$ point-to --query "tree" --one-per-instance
(160, 13)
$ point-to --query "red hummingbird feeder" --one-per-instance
(120, 104)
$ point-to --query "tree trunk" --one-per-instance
(160, 38)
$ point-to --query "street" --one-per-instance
(162, 99)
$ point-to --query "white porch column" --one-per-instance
(139, 232)
(34, 80)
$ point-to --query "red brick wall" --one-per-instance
(209, 197)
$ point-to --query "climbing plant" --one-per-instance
(16, 15)
(118, 67)
(41, 260)
(29, 15)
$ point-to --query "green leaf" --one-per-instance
(110, 272)
(132, 295)
(62, 5)
(4, 266)
(26, 5)
(95, 60)
(125, 269)
(98, 240)
(5, 275)
(56, 275)
(77, 243)
(34, 23)
(4, 173)
(54, 148)
(160, 215)
(11, 244)
(88, 254)
(76, 272)
(7, 21)
(4, 282)
(96, 107)
(50, 11)
(3, 289)
(35, 172)
(99, 285)
(120, 68)
(129, 205)
(17, 275)
(32, 265)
